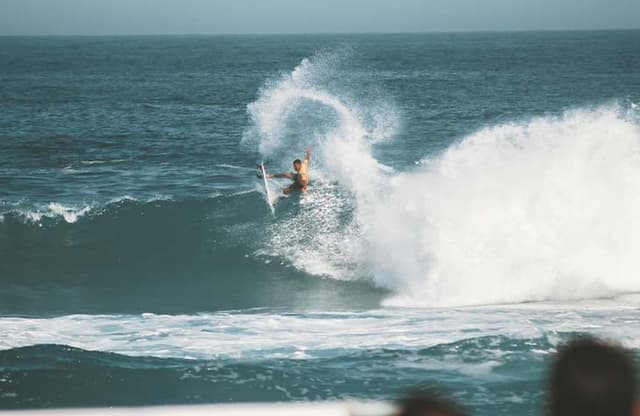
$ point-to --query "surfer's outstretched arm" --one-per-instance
(280, 175)
(275, 175)
(307, 155)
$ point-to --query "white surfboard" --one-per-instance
(270, 201)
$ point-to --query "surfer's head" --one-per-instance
(297, 164)
(592, 378)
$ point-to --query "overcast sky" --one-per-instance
(103, 17)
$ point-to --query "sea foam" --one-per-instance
(239, 335)
(542, 209)
(537, 209)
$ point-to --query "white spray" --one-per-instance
(546, 209)
(543, 209)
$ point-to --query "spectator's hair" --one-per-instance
(592, 378)
(297, 162)
(428, 402)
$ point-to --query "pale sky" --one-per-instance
(126, 17)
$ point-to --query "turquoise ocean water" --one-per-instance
(474, 203)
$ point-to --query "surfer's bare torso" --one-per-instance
(300, 177)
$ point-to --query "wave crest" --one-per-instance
(534, 210)
(544, 209)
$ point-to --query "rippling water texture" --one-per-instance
(473, 204)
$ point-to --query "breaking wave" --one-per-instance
(538, 209)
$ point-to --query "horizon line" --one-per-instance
(151, 34)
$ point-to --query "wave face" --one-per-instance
(533, 210)
(104, 379)
(164, 256)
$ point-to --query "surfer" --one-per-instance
(300, 177)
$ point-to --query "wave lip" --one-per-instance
(68, 213)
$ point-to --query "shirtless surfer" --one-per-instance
(300, 177)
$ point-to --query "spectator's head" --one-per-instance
(428, 403)
(592, 378)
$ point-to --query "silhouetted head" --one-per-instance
(592, 378)
(428, 403)
(297, 164)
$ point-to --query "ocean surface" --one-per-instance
(474, 202)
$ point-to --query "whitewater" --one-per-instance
(531, 210)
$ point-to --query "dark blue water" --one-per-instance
(141, 265)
